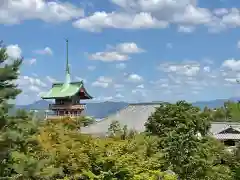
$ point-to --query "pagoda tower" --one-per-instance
(67, 96)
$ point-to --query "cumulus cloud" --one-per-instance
(134, 78)
(119, 96)
(101, 20)
(91, 68)
(139, 14)
(129, 48)
(120, 52)
(14, 51)
(45, 51)
(103, 82)
(108, 56)
(30, 61)
(186, 29)
(13, 12)
(183, 69)
(51, 79)
(80, 79)
(231, 64)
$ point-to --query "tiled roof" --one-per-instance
(218, 127)
(60, 90)
(135, 116)
(227, 136)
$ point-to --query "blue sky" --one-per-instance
(127, 50)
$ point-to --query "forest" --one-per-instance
(169, 149)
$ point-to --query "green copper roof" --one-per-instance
(61, 90)
(68, 88)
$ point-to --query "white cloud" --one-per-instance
(117, 53)
(231, 80)
(137, 14)
(232, 18)
(80, 79)
(14, 51)
(164, 85)
(135, 78)
(232, 64)
(140, 92)
(45, 51)
(27, 80)
(51, 79)
(13, 12)
(108, 56)
(193, 15)
(186, 29)
(91, 68)
(30, 61)
(102, 81)
(30, 86)
(141, 86)
(118, 95)
(128, 48)
(35, 88)
(100, 20)
(100, 84)
(104, 98)
(220, 11)
(183, 69)
(206, 69)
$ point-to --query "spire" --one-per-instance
(67, 78)
(67, 65)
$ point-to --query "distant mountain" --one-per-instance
(100, 110)
(103, 109)
(38, 105)
(214, 103)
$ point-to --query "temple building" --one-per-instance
(67, 96)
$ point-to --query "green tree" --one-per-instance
(220, 114)
(9, 71)
(178, 127)
(74, 155)
(86, 121)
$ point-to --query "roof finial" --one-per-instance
(67, 64)
(68, 79)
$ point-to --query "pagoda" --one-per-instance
(67, 96)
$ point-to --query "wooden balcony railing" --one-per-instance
(66, 106)
(60, 117)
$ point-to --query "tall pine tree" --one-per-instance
(9, 72)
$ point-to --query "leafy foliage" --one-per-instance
(229, 112)
(9, 70)
(190, 156)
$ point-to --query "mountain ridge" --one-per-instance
(103, 109)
